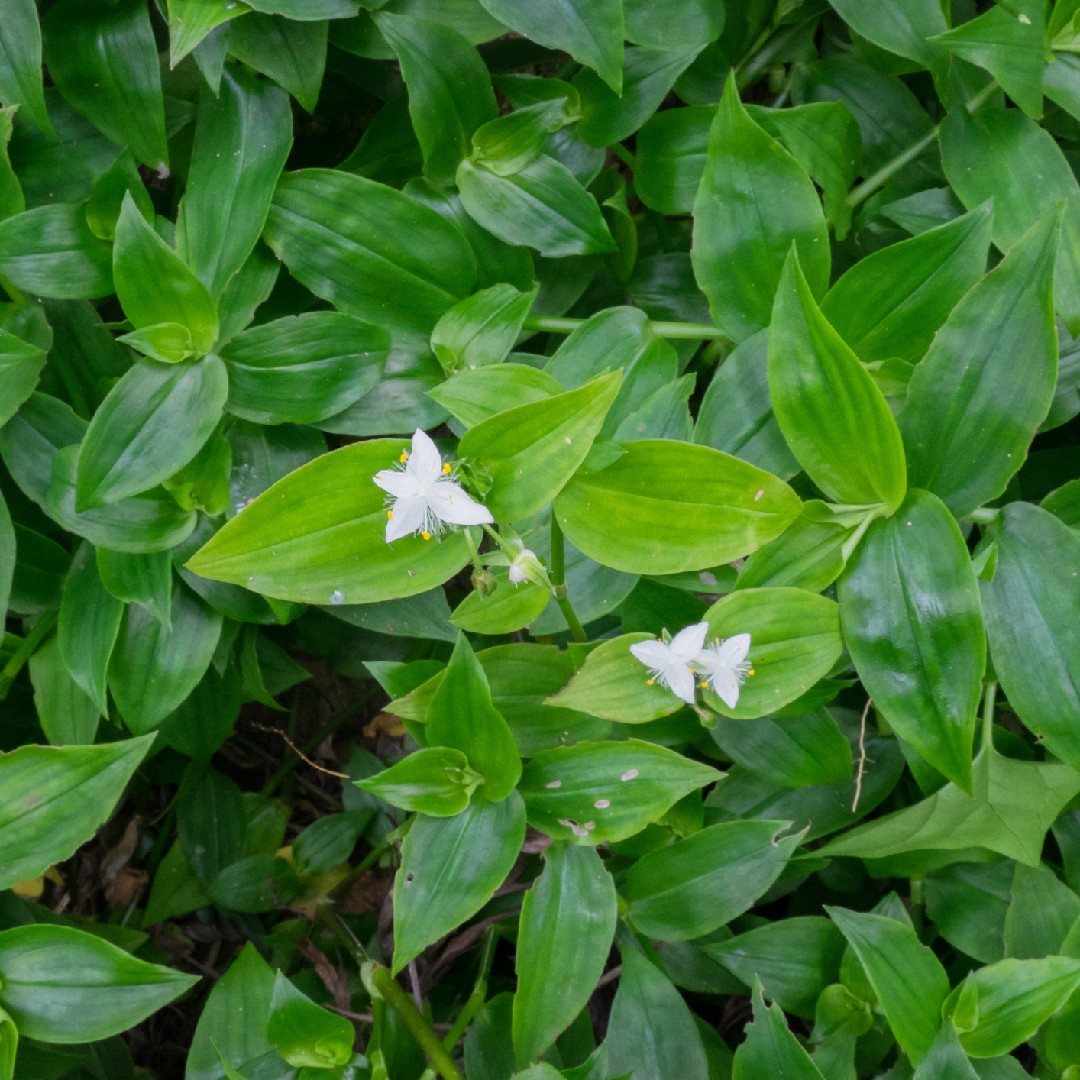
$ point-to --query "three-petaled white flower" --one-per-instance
(669, 663)
(424, 496)
(725, 667)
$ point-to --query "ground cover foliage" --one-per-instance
(540, 539)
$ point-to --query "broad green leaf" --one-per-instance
(369, 250)
(795, 640)
(795, 958)
(946, 1059)
(1030, 606)
(1013, 805)
(909, 605)
(688, 22)
(304, 368)
(232, 1025)
(597, 792)
(664, 506)
(892, 303)
(430, 781)
(319, 536)
(449, 88)
(1002, 1005)
(242, 137)
(901, 26)
(1010, 44)
(672, 147)
(907, 978)
(190, 21)
(531, 451)
(481, 329)
(651, 1034)
(542, 206)
(290, 52)
(61, 985)
(834, 418)
(307, 10)
(151, 424)
(968, 903)
(20, 62)
(754, 202)
(154, 284)
(105, 62)
(12, 200)
(509, 607)
(508, 143)
(56, 798)
(648, 74)
(87, 626)
(591, 31)
(462, 716)
(770, 1049)
(450, 867)
(567, 925)
(153, 667)
(695, 886)
(210, 824)
(1042, 910)
(305, 1034)
(968, 420)
(20, 368)
(51, 251)
(68, 717)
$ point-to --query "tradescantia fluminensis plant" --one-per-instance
(539, 539)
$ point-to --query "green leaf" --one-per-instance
(770, 1049)
(105, 62)
(795, 640)
(154, 284)
(1009, 43)
(450, 867)
(369, 250)
(242, 136)
(62, 985)
(902, 27)
(55, 798)
(1013, 805)
(609, 116)
(753, 203)
(68, 717)
(210, 824)
(305, 1034)
(449, 88)
(834, 418)
(307, 10)
(1042, 910)
(290, 52)
(591, 31)
(151, 424)
(304, 368)
(51, 251)
(542, 206)
(1009, 1001)
(508, 143)
(907, 978)
(20, 62)
(892, 303)
(481, 329)
(531, 451)
(12, 200)
(598, 792)
(672, 147)
(190, 21)
(651, 1034)
(153, 667)
(909, 605)
(968, 420)
(688, 22)
(664, 506)
(429, 781)
(7, 556)
(506, 609)
(462, 716)
(20, 368)
(326, 526)
(1030, 607)
(567, 926)
(946, 1059)
(695, 886)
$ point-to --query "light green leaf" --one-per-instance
(770, 1049)
(20, 367)
(51, 251)
(481, 329)
(429, 781)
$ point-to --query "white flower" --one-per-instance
(725, 666)
(424, 496)
(669, 663)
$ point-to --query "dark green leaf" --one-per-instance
(20, 367)
(20, 62)
(902, 27)
(68, 717)
(51, 251)
(291, 53)
(770, 1049)
(481, 329)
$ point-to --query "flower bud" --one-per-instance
(484, 582)
(527, 567)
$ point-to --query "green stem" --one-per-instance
(675, 330)
(558, 582)
(861, 192)
(624, 155)
(479, 991)
(38, 632)
(989, 700)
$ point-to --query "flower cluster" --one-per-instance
(677, 663)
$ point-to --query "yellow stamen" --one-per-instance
(426, 535)
(446, 470)
(650, 682)
(751, 672)
(404, 456)
(389, 515)
(703, 685)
